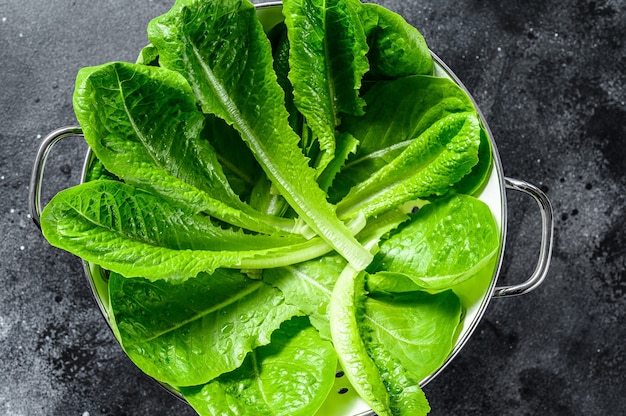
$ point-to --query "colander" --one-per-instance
(475, 295)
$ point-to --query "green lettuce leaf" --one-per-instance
(444, 244)
(143, 125)
(398, 113)
(327, 48)
(376, 374)
(259, 386)
(138, 234)
(396, 49)
(223, 52)
(309, 286)
(406, 398)
(473, 182)
(429, 166)
(190, 333)
(416, 328)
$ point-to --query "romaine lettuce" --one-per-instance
(252, 199)
(224, 53)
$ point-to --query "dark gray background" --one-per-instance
(550, 78)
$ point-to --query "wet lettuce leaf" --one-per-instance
(403, 113)
(258, 387)
(378, 376)
(415, 328)
(231, 72)
(445, 243)
(190, 333)
(327, 47)
(396, 49)
(433, 162)
(346, 311)
(138, 234)
(343, 144)
(143, 124)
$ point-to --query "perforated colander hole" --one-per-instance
(343, 390)
(339, 374)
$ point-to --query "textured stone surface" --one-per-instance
(550, 76)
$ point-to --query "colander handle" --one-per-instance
(545, 250)
(36, 177)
